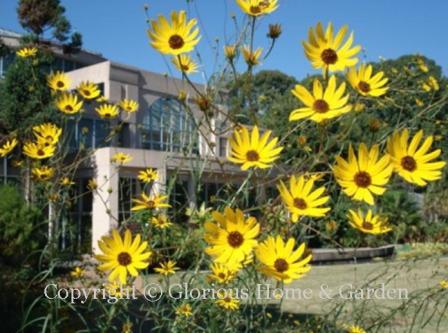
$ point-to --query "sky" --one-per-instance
(385, 28)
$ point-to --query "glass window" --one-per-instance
(166, 126)
(102, 130)
(89, 133)
(70, 131)
(124, 137)
(5, 62)
(78, 225)
(85, 133)
(179, 199)
(128, 189)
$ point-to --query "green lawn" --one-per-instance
(414, 276)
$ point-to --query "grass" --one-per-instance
(410, 275)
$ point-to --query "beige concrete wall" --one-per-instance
(98, 73)
(127, 82)
(105, 197)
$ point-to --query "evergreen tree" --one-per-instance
(39, 16)
(25, 99)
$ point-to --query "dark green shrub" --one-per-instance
(22, 226)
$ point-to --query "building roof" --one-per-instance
(14, 34)
(9, 33)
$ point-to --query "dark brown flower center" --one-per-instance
(300, 203)
(221, 275)
(86, 92)
(203, 102)
(329, 56)
(235, 239)
(176, 42)
(367, 225)
(408, 163)
(124, 258)
(151, 204)
(364, 86)
(363, 179)
(321, 106)
(185, 68)
(68, 108)
(252, 156)
(255, 9)
(281, 265)
(40, 152)
(60, 84)
(107, 115)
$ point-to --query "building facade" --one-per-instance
(180, 145)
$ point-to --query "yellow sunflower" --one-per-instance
(230, 52)
(43, 173)
(182, 96)
(251, 58)
(367, 84)
(68, 103)
(413, 161)
(167, 268)
(362, 177)
(47, 134)
(321, 104)
(431, 84)
(121, 158)
(280, 261)
(231, 236)
(301, 199)
(77, 272)
(443, 284)
(101, 99)
(161, 222)
(122, 256)
(257, 7)
(419, 102)
(176, 37)
(221, 273)
(150, 202)
(8, 147)
(88, 90)
(368, 223)
(116, 289)
(355, 329)
(184, 310)
(252, 151)
(185, 64)
(107, 111)
(58, 81)
(127, 327)
(38, 151)
(327, 50)
(148, 175)
(65, 181)
(92, 185)
(128, 105)
(27, 52)
(227, 301)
